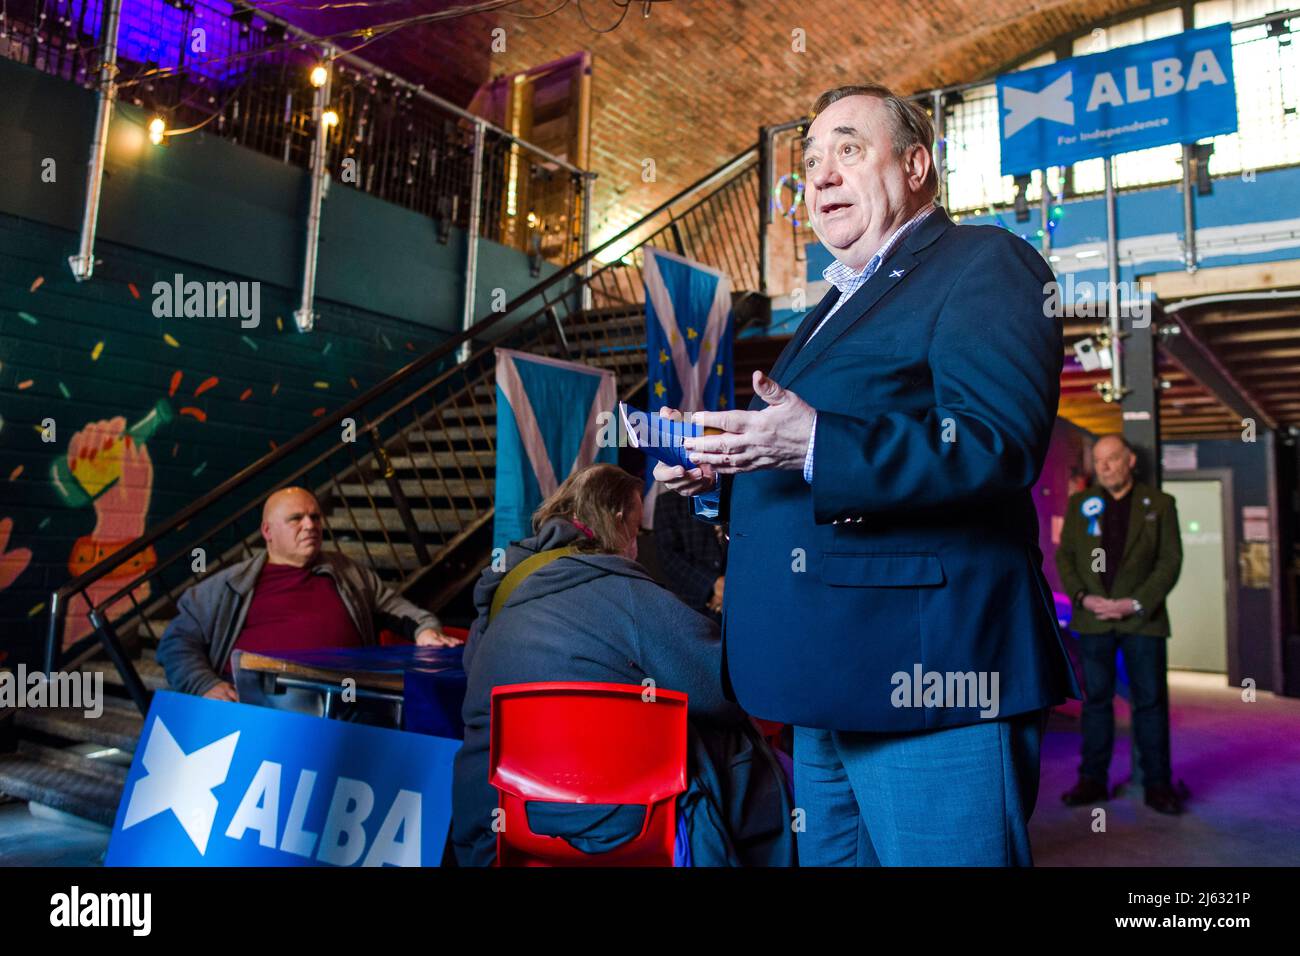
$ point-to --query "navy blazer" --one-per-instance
(913, 554)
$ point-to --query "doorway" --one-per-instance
(1200, 604)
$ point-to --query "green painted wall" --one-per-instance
(80, 353)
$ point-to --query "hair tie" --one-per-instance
(583, 528)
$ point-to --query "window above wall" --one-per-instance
(1266, 66)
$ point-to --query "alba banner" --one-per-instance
(221, 784)
(1177, 89)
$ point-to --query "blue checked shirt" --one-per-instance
(848, 282)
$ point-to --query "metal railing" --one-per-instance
(250, 84)
(405, 471)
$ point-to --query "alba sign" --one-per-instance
(221, 784)
(1176, 89)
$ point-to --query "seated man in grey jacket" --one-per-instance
(294, 596)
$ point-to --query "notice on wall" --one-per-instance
(1255, 524)
(1255, 564)
(1178, 457)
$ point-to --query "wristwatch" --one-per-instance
(1137, 605)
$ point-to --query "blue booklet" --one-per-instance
(660, 438)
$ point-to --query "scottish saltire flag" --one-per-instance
(547, 428)
(688, 341)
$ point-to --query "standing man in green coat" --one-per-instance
(1119, 556)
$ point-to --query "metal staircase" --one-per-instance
(410, 494)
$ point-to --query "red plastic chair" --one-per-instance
(565, 742)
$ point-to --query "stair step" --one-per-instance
(411, 487)
(430, 522)
(434, 434)
(471, 414)
(118, 726)
(469, 460)
(112, 773)
(80, 794)
(150, 671)
(400, 556)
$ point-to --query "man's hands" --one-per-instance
(222, 691)
(697, 481)
(433, 637)
(776, 437)
(1107, 609)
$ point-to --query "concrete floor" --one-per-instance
(1241, 762)
(48, 838)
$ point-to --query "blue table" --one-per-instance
(425, 685)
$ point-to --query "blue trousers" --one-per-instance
(959, 796)
(1145, 659)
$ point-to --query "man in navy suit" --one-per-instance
(884, 586)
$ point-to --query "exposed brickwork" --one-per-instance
(690, 86)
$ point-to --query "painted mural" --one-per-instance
(113, 418)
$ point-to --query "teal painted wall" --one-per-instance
(81, 353)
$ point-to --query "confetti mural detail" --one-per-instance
(36, 610)
(279, 323)
(63, 389)
(249, 342)
(37, 283)
(171, 340)
(14, 475)
(207, 385)
(199, 470)
(246, 394)
(97, 351)
(135, 293)
(326, 349)
(29, 318)
(193, 412)
(355, 386)
(320, 384)
(275, 388)
(43, 523)
(176, 383)
(26, 384)
(318, 412)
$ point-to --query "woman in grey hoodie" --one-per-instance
(597, 615)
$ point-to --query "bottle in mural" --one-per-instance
(95, 476)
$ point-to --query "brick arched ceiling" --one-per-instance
(690, 85)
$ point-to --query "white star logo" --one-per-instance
(181, 783)
(1052, 102)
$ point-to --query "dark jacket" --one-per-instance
(1148, 571)
(691, 554)
(209, 616)
(916, 544)
(601, 617)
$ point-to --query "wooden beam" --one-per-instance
(1223, 280)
